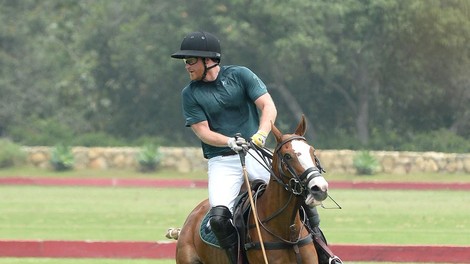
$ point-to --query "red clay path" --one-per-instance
(186, 183)
(157, 250)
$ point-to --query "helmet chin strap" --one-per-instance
(207, 69)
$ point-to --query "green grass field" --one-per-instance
(30, 212)
(93, 213)
(368, 216)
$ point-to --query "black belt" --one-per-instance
(228, 153)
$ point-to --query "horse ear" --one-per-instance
(301, 127)
(277, 134)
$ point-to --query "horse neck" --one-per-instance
(282, 206)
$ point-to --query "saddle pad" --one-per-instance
(206, 233)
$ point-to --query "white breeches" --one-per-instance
(226, 177)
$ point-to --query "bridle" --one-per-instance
(297, 186)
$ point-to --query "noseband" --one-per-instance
(297, 184)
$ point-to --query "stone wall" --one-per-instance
(395, 162)
(191, 159)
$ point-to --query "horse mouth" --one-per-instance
(316, 196)
(320, 195)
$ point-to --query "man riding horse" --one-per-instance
(219, 102)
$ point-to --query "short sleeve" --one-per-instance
(192, 111)
(254, 86)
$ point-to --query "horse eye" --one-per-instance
(287, 156)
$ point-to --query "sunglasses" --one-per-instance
(190, 61)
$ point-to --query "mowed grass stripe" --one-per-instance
(399, 217)
(71, 213)
(368, 216)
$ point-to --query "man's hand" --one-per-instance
(237, 144)
(259, 138)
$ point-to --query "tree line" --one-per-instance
(385, 74)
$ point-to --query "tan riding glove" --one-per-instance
(259, 138)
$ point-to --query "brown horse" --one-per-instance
(295, 180)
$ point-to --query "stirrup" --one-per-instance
(335, 260)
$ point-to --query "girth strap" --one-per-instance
(279, 245)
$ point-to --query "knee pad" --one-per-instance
(220, 217)
(222, 227)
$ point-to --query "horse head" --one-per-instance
(295, 161)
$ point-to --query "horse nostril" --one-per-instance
(315, 189)
(318, 194)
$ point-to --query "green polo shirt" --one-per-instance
(226, 103)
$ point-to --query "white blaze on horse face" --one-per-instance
(302, 150)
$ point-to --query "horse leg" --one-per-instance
(185, 251)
